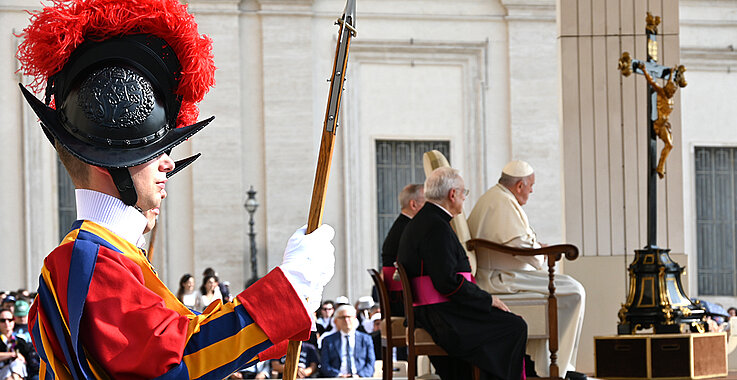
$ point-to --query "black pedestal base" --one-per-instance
(656, 298)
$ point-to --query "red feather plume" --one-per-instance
(56, 31)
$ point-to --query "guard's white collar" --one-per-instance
(111, 213)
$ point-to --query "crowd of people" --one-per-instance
(346, 343)
(357, 325)
(18, 358)
(212, 289)
(325, 354)
(717, 318)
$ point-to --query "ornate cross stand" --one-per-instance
(656, 298)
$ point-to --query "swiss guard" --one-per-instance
(122, 81)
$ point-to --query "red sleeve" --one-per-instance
(276, 308)
(274, 352)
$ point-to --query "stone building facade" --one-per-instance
(493, 80)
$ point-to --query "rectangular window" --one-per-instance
(716, 220)
(398, 163)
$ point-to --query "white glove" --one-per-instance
(309, 263)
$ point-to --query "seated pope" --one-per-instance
(498, 217)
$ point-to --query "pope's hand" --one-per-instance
(309, 263)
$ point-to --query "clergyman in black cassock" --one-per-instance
(411, 199)
(467, 326)
(389, 256)
(391, 243)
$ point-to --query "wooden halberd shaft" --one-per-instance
(325, 155)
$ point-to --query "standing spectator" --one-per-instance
(22, 306)
(220, 291)
(325, 316)
(376, 334)
(12, 349)
(732, 311)
(22, 293)
(209, 291)
(9, 303)
(188, 295)
(21, 319)
(363, 307)
(340, 301)
(225, 290)
(348, 353)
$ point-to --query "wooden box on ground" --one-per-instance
(661, 356)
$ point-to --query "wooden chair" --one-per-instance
(392, 330)
(419, 341)
(554, 253)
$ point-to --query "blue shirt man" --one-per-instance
(348, 353)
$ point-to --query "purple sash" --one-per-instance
(425, 293)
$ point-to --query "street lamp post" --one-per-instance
(251, 206)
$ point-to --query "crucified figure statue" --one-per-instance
(662, 126)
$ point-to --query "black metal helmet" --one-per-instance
(118, 99)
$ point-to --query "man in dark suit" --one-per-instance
(347, 353)
(470, 324)
(411, 200)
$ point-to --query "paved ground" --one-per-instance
(731, 376)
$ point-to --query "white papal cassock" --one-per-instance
(498, 217)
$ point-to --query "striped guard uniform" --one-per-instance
(102, 312)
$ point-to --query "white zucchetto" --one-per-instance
(518, 169)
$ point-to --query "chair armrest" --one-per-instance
(554, 252)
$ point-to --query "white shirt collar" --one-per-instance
(347, 351)
(111, 213)
(442, 208)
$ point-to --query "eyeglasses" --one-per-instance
(7, 320)
(327, 308)
(465, 191)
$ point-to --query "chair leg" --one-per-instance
(411, 364)
(388, 364)
(476, 373)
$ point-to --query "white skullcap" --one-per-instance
(365, 302)
(517, 168)
(342, 300)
